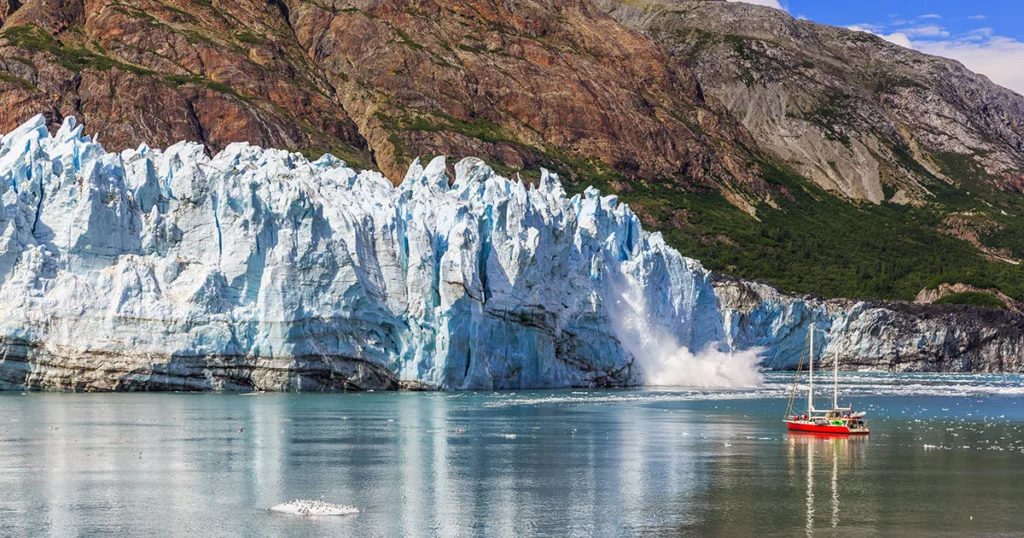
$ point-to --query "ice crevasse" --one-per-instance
(258, 269)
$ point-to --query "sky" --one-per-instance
(985, 35)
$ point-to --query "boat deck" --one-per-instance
(817, 427)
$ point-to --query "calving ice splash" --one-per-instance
(663, 357)
(258, 269)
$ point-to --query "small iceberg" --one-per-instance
(303, 507)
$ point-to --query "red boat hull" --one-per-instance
(828, 429)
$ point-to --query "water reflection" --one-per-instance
(455, 465)
(416, 464)
(838, 454)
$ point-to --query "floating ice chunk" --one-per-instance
(305, 507)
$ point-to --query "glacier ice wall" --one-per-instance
(869, 335)
(257, 269)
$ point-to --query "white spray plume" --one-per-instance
(667, 363)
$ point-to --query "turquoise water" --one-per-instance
(945, 458)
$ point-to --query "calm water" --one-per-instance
(943, 450)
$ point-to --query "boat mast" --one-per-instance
(810, 376)
(835, 380)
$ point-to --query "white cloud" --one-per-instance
(869, 28)
(931, 16)
(977, 17)
(1000, 58)
(898, 38)
(981, 50)
(770, 3)
(978, 34)
(930, 30)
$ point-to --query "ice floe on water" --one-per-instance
(778, 385)
(307, 507)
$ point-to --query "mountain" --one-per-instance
(378, 83)
(163, 73)
(819, 159)
(861, 117)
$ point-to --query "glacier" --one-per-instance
(869, 335)
(257, 269)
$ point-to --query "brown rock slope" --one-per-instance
(929, 146)
(159, 72)
(522, 83)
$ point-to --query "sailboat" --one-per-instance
(836, 421)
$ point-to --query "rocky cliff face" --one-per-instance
(943, 291)
(164, 72)
(860, 116)
(924, 140)
(521, 84)
(870, 335)
(257, 269)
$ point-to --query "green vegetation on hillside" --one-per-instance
(77, 58)
(72, 58)
(973, 298)
(818, 243)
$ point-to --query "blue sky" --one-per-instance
(985, 35)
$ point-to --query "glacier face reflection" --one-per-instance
(414, 463)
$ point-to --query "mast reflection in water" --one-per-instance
(839, 454)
